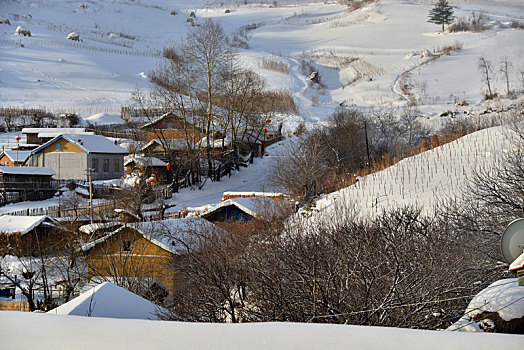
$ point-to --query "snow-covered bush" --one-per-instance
(22, 31)
(73, 36)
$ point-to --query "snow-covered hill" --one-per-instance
(361, 55)
(424, 178)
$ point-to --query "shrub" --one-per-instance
(461, 25)
(276, 66)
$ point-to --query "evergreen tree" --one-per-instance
(442, 13)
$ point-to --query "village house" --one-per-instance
(27, 235)
(171, 126)
(25, 183)
(157, 148)
(39, 136)
(13, 157)
(237, 210)
(147, 167)
(74, 156)
(145, 249)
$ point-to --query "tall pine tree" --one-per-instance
(442, 13)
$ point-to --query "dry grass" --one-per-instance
(477, 22)
(448, 49)
(356, 4)
(277, 66)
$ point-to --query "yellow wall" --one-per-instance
(66, 147)
(145, 259)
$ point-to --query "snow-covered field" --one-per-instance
(76, 332)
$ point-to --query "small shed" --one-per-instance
(25, 235)
(147, 166)
(25, 183)
(237, 210)
(109, 300)
(14, 157)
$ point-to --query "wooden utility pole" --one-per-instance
(367, 142)
(90, 194)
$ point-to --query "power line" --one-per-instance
(411, 304)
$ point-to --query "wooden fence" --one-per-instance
(54, 211)
(14, 306)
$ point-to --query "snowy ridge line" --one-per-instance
(50, 43)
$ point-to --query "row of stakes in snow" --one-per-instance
(420, 179)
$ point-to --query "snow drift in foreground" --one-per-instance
(504, 297)
(66, 332)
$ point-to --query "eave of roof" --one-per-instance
(89, 246)
(77, 144)
(228, 203)
(159, 119)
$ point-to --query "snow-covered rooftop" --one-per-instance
(250, 205)
(15, 155)
(174, 144)
(10, 224)
(104, 119)
(55, 131)
(252, 194)
(156, 120)
(50, 134)
(109, 300)
(89, 143)
(144, 161)
(504, 297)
(91, 228)
(172, 235)
(26, 170)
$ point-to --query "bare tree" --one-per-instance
(203, 82)
(492, 197)
(300, 168)
(505, 67)
(209, 50)
(485, 68)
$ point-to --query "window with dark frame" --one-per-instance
(94, 165)
(126, 246)
(105, 166)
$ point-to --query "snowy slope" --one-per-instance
(423, 178)
(360, 54)
(66, 332)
